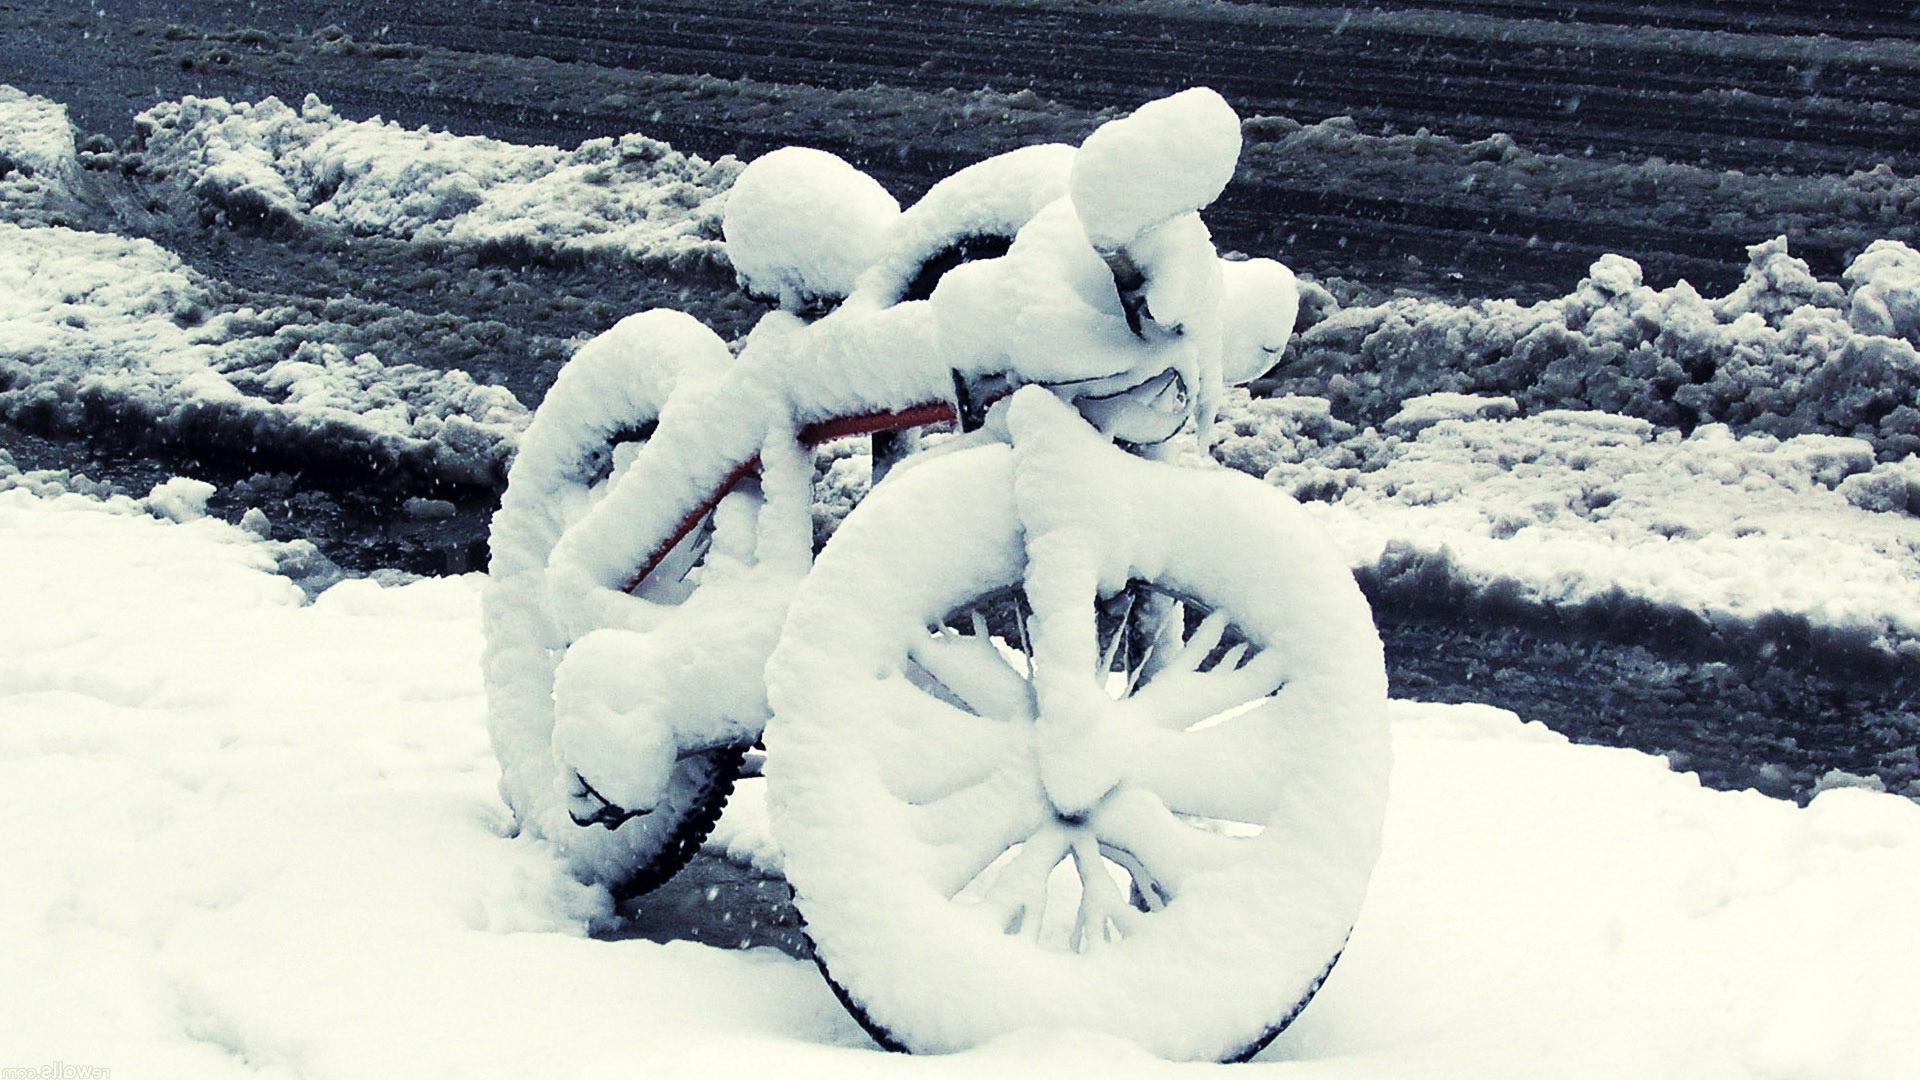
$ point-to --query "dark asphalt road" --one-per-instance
(1735, 87)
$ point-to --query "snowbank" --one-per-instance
(38, 166)
(1564, 508)
(1785, 353)
(101, 332)
(268, 165)
(1622, 445)
(253, 837)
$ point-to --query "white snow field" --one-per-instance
(253, 836)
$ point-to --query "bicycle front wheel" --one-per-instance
(1196, 899)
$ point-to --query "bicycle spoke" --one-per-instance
(970, 828)
(1148, 895)
(1179, 698)
(1017, 898)
(1164, 622)
(976, 673)
(1122, 626)
(1105, 915)
(1166, 851)
(1191, 650)
(932, 749)
(1222, 772)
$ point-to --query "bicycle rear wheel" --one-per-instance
(603, 406)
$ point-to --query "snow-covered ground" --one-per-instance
(255, 836)
(1565, 508)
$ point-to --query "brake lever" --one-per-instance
(609, 816)
(1131, 284)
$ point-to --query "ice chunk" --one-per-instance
(1429, 409)
(1776, 284)
(39, 170)
(180, 499)
(1890, 487)
(1885, 294)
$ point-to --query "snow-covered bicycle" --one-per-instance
(1064, 727)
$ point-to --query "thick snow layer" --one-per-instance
(895, 805)
(802, 224)
(1566, 508)
(1049, 311)
(1260, 300)
(97, 328)
(269, 164)
(38, 167)
(1169, 157)
(1785, 353)
(586, 681)
(253, 837)
(990, 198)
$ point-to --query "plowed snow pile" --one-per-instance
(38, 166)
(254, 836)
(1567, 508)
(267, 163)
(99, 330)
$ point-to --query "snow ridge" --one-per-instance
(269, 165)
(1784, 354)
(38, 166)
(100, 332)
